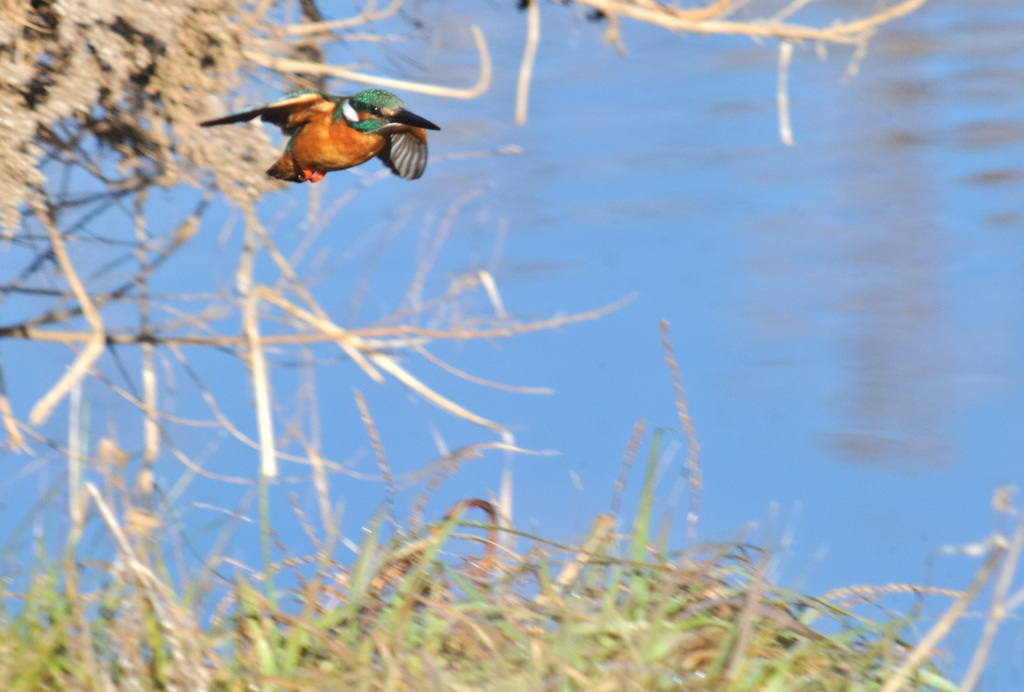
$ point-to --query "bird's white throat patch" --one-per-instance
(349, 112)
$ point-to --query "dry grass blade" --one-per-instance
(600, 535)
(378, 451)
(177, 624)
(514, 389)
(370, 626)
(322, 487)
(389, 365)
(639, 428)
(739, 655)
(940, 629)
(450, 462)
(870, 593)
(693, 449)
(491, 287)
(999, 609)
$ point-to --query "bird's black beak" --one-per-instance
(404, 117)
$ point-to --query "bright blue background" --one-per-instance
(846, 313)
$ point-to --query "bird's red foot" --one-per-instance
(312, 176)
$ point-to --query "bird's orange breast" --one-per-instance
(329, 145)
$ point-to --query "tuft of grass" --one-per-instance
(607, 612)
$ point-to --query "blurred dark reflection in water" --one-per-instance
(946, 164)
(859, 295)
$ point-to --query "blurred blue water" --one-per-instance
(846, 313)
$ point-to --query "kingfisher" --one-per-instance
(331, 133)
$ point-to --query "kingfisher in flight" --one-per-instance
(331, 133)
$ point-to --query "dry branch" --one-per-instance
(400, 332)
(714, 19)
(369, 15)
(260, 385)
(711, 20)
(483, 82)
(94, 343)
(529, 56)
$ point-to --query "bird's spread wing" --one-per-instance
(290, 112)
(405, 153)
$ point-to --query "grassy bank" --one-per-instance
(612, 611)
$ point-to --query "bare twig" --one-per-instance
(352, 344)
(529, 57)
(483, 83)
(367, 16)
(319, 318)
(260, 384)
(94, 344)
(672, 18)
(256, 359)
(323, 496)
(151, 429)
(447, 464)
(399, 332)
(782, 93)
(414, 345)
(211, 401)
(75, 505)
(414, 295)
(15, 440)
